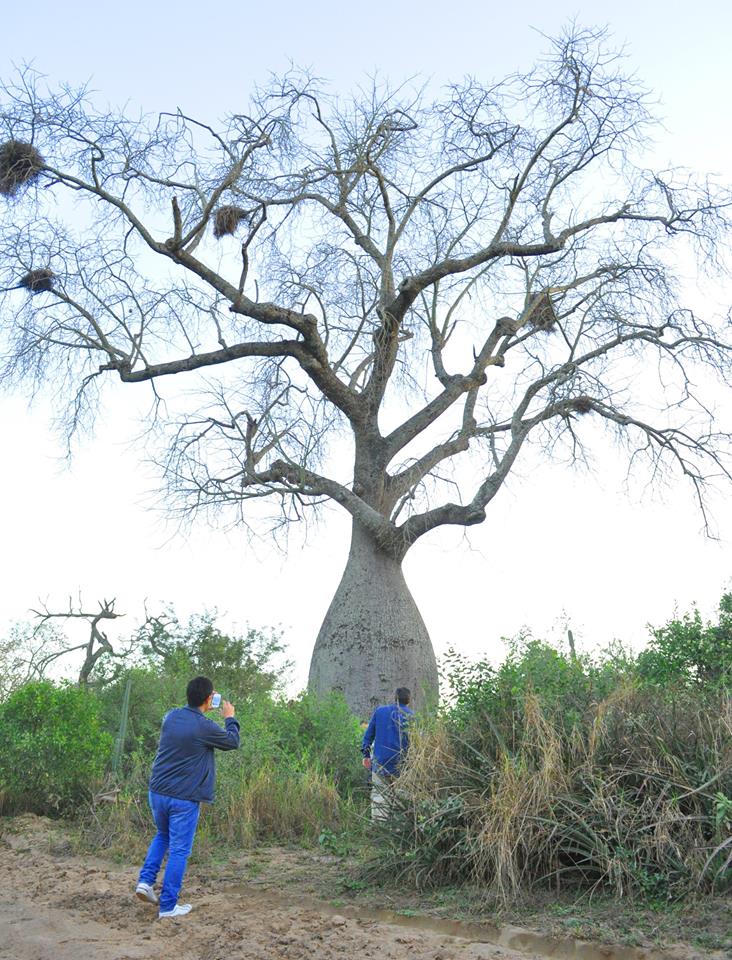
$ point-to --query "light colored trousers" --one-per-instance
(381, 792)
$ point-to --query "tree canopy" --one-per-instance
(432, 279)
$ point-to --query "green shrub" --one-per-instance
(687, 651)
(487, 703)
(297, 772)
(54, 748)
(320, 733)
(168, 655)
(152, 694)
(241, 666)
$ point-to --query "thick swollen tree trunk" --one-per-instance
(373, 638)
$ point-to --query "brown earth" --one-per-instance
(58, 905)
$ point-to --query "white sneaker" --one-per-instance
(144, 891)
(179, 910)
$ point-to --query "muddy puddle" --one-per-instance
(508, 937)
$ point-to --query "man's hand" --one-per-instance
(227, 709)
(367, 762)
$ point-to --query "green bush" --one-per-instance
(54, 748)
(241, 666)
(320, 733)
(297, 773)
(166, 655)
(687, 651)
(152, 694)
(487, 703)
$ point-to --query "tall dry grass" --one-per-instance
(272, 804)
(633, 797)
(269, 803)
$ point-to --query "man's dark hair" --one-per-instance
(403, 696)
(198, 691)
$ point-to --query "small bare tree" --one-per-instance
(30, 651)
(95, 646)
(431, 283)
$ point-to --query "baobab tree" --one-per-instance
(436, 282)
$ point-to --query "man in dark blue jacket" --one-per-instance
(384, 745)
(183, 776)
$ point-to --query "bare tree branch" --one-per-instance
(426, 281)
(96, 647)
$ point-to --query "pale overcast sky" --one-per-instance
(555, 544)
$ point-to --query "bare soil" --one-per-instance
(56, 904)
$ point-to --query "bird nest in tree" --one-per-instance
(582, 404)
(20, 164)
(540, 312)
(227, 219)
(38, 281)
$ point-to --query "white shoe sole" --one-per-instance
(145, 899)
(173, 916)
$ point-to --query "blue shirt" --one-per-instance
(386, 737)
(184, 764)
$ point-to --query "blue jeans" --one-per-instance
(176, 821)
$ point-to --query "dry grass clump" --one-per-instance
(633, 798)
(271, 803)
(38, 281)
(227, 219)
(431, 752)
(20, 165)
(511, 819)
(122, 828)
(264, 804)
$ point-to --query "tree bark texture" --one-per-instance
(373, 638)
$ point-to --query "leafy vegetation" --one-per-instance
(688, 652)
(553, 770)
(54, 748)
(164, 654)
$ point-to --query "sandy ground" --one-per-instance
(55, 905)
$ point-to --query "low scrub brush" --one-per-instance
(628, 800)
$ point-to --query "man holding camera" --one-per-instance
(183, 776)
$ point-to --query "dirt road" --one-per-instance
(55, 905)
